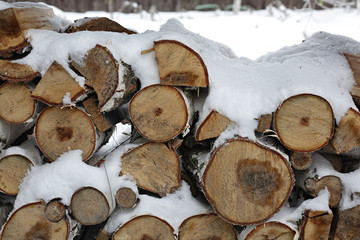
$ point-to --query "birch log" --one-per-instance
(15, 72)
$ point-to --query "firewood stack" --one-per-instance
(299, 152)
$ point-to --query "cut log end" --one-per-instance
(246, 183)
(89, 206)
(98, 118)
(271, 230)
(159, 113)
(206, 226)
(179, 65)
(316, 225)
(15, 72)
(154, 166)
(13, 169)
(54, 211)
(145, 227)
(348, 226)
(125, 198)
(59, 130)
(213, 125)
(29, 222)
(16, 105)
(304, 123)
(300, 160)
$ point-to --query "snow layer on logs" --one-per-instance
(240, 89)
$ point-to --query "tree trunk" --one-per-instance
(269, 230)
(55, 85)
(59, 130)
(206, 226)
(145, 227)
(212, 126)
(29, 222)
(160, 113)
(316, 225)
(304, 123)
(154, 166)
(15, 72)
(247, 182)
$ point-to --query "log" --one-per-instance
(179, 65)
(347, 135)
(59, 130)
(246, 182)
(316, 225)
(206, 226)
(14, 23)
(145, 227)
(264, 122)
(98, 24)
(55, 84)
(154, 166)
(160, 113)
(212, 126)
(16, 72)
(304, 123)
(16, 105)
(271, 230)
(126, 198)
(354, 62)
(348, 226)
(55, 210)
(29, 222)
(96, 115)
(90, 206)
(300, 160)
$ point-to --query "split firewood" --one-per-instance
(145, 227)
(316, 225)
(154, 166)
(179, 65)
(300, 160)
(96, 115)
(14, 164)
(212, 126)
(347, 135)
(304, 123)
(55, 84)
(59, 130)
(14, 23)
(101, 71)
(160, 113)
(354, 62)
(206, 226)
(97, 24)
(246, 182)
(29, 222)
(55, 210)
(90, 206)
(348, 225)
(126, 198)
(269, 230)
(15, 72)
(264, 122)
(16, 105)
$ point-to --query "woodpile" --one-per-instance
(298, 153)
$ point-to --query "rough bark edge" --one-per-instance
(14, 50)
(213, 153)
(93, 127)
(201, 215)
(146, 215)
(193, 52)
(187, 113)
(252, 232)
(178, 165)
(306, 218)
(73, 99)
(26, 205)
(26, 79)
(198, 130)
(332, 130)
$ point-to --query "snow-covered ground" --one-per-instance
(248, 34)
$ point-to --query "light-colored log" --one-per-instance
(29, 222)
(304, 123)
(264, 122)
(271, 230)
(55, 84)
(316, 225)
(15, 72)
(16, 105)
(300, 160)
(246, 182)
(180, 65)
(348, 226)
(10, 132)
(125, 198)
(154, 166)
(160, 113)
(212, 126)
(55, 210)
(145, 227)
(206, 226)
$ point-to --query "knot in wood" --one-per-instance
(305, 121)
(64, 133)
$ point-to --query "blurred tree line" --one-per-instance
(160, 5)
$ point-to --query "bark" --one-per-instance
(316, 225)
(206, 226)
(10, 132)
(29, 222)
(145, 227)
(304, 123)
(15, 72)
(212, 126)
(300, 160)
(154, 166)
(55, 84)
(160, 113)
